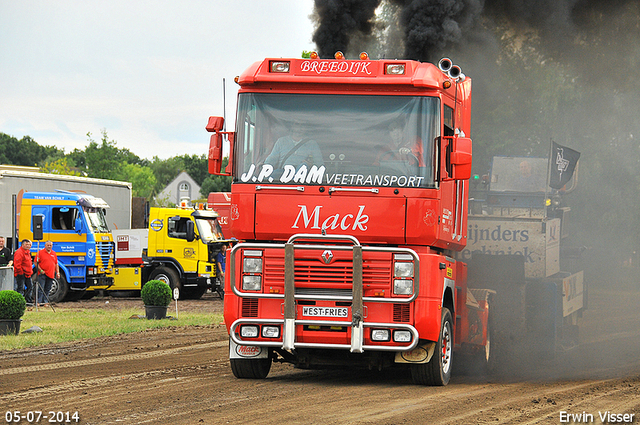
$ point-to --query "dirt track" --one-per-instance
(182, 376)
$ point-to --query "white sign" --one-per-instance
(325, 311)
(572, 293)
(535, 240)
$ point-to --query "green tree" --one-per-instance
(59, 166)
(165, 170)
(25, 151)
(216, 183)
(196, 166)
(103, 160)
(142, 179)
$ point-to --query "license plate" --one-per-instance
(310, 311)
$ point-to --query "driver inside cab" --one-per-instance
(296, 149)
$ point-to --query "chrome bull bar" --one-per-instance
(357, 299)
(279, 342)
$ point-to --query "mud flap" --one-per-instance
(421, 354)
(247, 351)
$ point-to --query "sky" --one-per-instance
(148, 72)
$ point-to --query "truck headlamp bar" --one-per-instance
(239, 253)
(279, 66)
(400, 332)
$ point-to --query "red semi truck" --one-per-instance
(349, 192)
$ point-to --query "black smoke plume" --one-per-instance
(430, 27)
(339, 20)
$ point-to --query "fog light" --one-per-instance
(380, 334)
(401, 336)
(249, 331)
(403, 287)
(270, 331)
(251, 283)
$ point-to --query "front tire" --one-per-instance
(438, 371)
(59, 289)
(250, 368)
(168, 276)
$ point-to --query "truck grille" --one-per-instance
(105, 253)
(249, 307)
(401, 313)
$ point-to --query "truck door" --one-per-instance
(64, 221)
(177, 245)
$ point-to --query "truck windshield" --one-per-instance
(96, 219)
(349, 140)
(209, 229)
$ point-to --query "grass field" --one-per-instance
(74, 324)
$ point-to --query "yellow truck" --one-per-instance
(179, 247)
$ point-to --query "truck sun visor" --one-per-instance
(93, 202)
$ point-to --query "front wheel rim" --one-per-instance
(446, 347)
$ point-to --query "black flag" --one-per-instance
(563, 163)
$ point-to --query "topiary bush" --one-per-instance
(156, 292)
(12, 305)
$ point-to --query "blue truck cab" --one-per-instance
(76, 224)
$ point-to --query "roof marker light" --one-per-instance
(339, 55)
(394, 68)
(279, 66)
(313, 55)
(364, 56)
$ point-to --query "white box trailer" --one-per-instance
(116, 193)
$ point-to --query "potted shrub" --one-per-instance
(12, 307)
(156, 296)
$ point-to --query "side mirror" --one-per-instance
(78, 226)
(191, 234)
(215, 125)
(457, 158)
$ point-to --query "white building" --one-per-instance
(182, 187)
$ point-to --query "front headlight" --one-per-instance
(252, 265)
(402, 287)
(403, 270)
(251, 283)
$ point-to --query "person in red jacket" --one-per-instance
(47, 262)
(22, 270)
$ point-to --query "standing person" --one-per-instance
(47, 262)
(6, 259)
(221, 267)
(23, 269)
